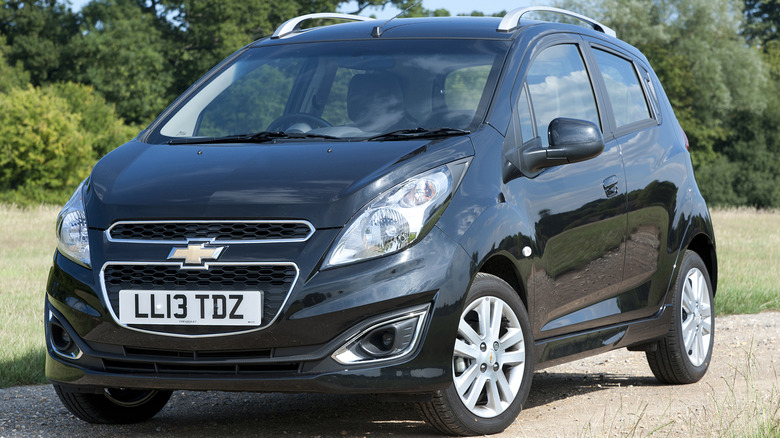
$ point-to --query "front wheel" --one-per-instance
(114, 405)
(492, 363)
(684, 354)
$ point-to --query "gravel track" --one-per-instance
(613, 394)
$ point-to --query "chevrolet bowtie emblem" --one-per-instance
(195, 254)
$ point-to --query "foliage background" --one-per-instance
(76, 84)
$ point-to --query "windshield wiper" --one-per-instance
(403, 134)
(258, 137)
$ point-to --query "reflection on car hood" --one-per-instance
(322, 182)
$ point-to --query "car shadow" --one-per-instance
(549, 387)
(206, 414)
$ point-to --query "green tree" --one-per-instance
(38, 34)
(124, 53)
(14, 76)
(762, 21)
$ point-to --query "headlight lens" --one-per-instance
(394, 219)
(72, 233)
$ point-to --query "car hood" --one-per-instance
(322, 182)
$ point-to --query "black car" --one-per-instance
(431, 208)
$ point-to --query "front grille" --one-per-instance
(274, 280)
(216, 231)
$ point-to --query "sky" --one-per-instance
(454, 6)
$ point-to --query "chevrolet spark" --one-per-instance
(428, 208)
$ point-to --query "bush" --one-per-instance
(51, 138)
(43, 153)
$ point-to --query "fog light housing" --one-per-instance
(61, 341)
(384, 340)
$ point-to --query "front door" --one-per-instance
(578, 209)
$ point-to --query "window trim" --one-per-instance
(632, 127)
(538, 47)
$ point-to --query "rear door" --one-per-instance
(652, 177)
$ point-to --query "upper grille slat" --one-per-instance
(216, 231)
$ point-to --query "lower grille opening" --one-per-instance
(132, 367)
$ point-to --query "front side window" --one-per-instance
(559, 86)
(623, 88)
(349, 89)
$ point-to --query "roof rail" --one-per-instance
(294, 25)
(511, 20)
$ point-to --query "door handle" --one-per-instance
(611, 186)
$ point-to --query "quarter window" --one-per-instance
(559, 86)
(623, 88)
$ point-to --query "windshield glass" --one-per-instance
(346, 90)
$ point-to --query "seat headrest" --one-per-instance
(375, 96)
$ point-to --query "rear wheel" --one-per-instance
(114, 405)
(684, 354)
(492, 364)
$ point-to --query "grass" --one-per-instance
(748, 243)
(748, 250)
(27, 244)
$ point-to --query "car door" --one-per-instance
(650, 178)
(578, 210)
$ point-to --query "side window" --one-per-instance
(559, 86)
(623, 88)
(524, 116)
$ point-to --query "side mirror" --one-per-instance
(571, 141)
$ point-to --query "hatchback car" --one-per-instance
(431, 208)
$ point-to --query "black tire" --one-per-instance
(672, 362)
(115, 405)
(448, 412)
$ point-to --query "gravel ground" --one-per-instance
(613, 394)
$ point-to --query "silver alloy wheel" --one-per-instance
(489, 358)
(696, 317)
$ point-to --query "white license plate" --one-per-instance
(239, 308)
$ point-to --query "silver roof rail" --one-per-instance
(294, 25)
(511, 20)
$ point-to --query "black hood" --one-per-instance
(322, 182)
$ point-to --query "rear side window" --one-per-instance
(623, 88)
(559, 86)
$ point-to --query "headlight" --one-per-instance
(397, 217)
(72, 234)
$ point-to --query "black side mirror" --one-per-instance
(571, 140)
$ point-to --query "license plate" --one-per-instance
(237, 308)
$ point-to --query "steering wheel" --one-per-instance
(297, 122)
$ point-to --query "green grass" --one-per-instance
(748, 243)
(27, 244)
(748, 251)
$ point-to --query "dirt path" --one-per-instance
(609, 395)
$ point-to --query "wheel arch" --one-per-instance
(502, 267)
(702, 245)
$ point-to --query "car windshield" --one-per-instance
(342, 90)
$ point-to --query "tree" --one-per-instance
(124, 52)
(38, 33)
(14, 76)
(762, 21)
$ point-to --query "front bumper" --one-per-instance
(325, 310)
